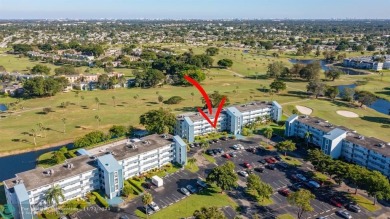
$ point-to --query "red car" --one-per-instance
(284, 192)
(270, 160)
(336, 202)
(227, 156)
(247, 165)
(273, 159)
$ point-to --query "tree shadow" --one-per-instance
(258, 77)
(187, 109)
(386, 92)
(152, 102)
(383, 120)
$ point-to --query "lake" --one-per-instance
(381, 105)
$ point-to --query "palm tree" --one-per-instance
(97, 101)
(191, 161)
(34, 134)
(53, 194)
(98, 119)
(308, 136)
(147, 198)
(113, 98)
(41, 128)
(268, 132)
(64, 123)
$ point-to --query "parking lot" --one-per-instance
(278, 178)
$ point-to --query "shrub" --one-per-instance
(101, 200)
(136, 185)
(127, 190)
(174, 100)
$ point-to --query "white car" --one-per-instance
(344, 214)
(243, 173)
(185, 191)
(240, 146)
(154, 206)
(235, 147)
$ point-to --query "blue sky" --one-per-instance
(202, 9)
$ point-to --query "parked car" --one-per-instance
(282, 164)
(243, 173)
(215, 140)
(284, 192)
(215, 151)
(263, 161)
(148, 210)
(271, 166)
(192, 145)
(344, 214)
(220, 150)
(296, 187)
(223, 138)
(124, 217)
(227, 156)
(336, 202)
(154, 206)
(240, 146)
(191, 189)
(147, 185)
(273, 160)
(235, 147)
(247, 165)
(185, 191)
(211, 142)
(354, 208)
(209, 152)
(232, 154)
(201, 183)
(251, 150)
(299, 177)
(313, 184)
(277, 157)
(259, 169)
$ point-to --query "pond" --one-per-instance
(381, 105)
(3, 107)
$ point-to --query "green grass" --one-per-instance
(365, 203)
(266, 202)
(186, 207)
(290, 160)
(209, 158)
(285, 216)
(193, 168)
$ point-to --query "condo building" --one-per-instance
(104, 168)
(367, 62)
(231, 119)
(341, 142)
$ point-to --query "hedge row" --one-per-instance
(102, 201)
(136, 186)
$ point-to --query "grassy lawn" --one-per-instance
(290, 160)
(193, 168)
(365, 203)
(266, 202)
(285, 216)
(209, 158)
(187, 206)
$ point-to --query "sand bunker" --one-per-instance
(304, 110)
(348, 114)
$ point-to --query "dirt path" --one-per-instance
(235, 73)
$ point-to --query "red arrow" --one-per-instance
(208, 102)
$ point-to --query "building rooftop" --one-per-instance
(335, 133)
(370, 143)
(253, 106)
(317, 123)
(198, 117)
(147, 143)
(109, 163)
(38, 177)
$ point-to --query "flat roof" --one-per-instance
(335, 133)
(147, 143)
(109, 163)
(317, 123)
(253, 106)
(370, 143)
(38, 177)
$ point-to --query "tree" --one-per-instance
(311, 71)
(40, 69)
(223, 176)
(53, 194)
(103, 80)
(285, 146)
(209, 213)
(147, 199)
(196, 74)
(66, 70)
(301, 199)
(275, 69)
(365, 97)
(64, 123)
(268, 132)
(257, 188)
(155, 120)
(117, 131)
(160, 98)
(192, 95)
(308, 136)
(332, 74)
(347, 94)
(331, 91)
(98, 119)
(377, 185)
(97, 101)
(212, 51)
(315, 87)
(225, 63)
(278, 86)
(174, 100)
(191, 161)
(127, 190)
(371, 48)
(296, 69)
